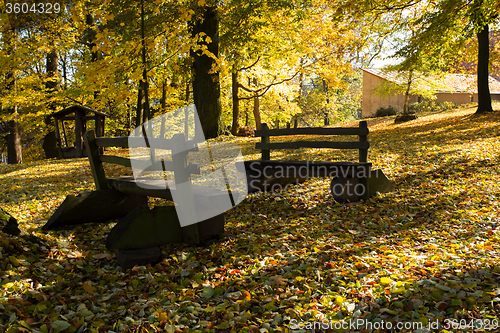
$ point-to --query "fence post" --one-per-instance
(266, 153)
(363, 153)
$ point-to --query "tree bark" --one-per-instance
(145, 83)
(483, 58)
(53, 80)
(52, 84)
(256, 113)
(407, 92)
(236, 101)
(14, 151)
(145, 92)
(91, 38)
(65, 72)
(163, 100)
(256, 108)
(188, 90)
(140, 107)
(206, 85)
(327, 100)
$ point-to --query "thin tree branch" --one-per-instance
(248, 67)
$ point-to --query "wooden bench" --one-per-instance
(144, 228)
(270, 175)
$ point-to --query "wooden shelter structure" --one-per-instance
(79, 115)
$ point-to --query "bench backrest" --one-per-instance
(362, 144)
(177, 145)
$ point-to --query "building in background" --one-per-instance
(455, 88)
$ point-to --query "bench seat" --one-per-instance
(263, 175)
(204, 196)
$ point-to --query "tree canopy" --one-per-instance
(263, 59)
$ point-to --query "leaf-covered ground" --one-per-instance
(427, 253)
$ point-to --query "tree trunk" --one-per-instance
(65, 72)
(14, 151)
(407, 92)
(53, 79)
(145, 92)
(129, 121)
(163, 101)
(145, 83)
(256, 113)
(326, 119)
(91, 37)
(483, 58)
(206, 85)
(256, 107)
(140, 107)
(52, 84)
(236, 101)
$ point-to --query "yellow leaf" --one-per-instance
(386, 280)
(201, 3)
(14, 261)
(162, 315)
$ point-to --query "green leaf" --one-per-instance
(207, 292)
(436, 295)
(60, 325)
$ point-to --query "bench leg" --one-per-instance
(349, 189)
(138, 257)
(143, 228)
(190, 234)
(95, 206)
(204, 231)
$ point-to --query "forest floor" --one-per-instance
(423, 258)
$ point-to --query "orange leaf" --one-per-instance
(88, 288)
(429, 263)
(246, 296)
(31, 321)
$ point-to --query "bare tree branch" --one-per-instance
(248, 67)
